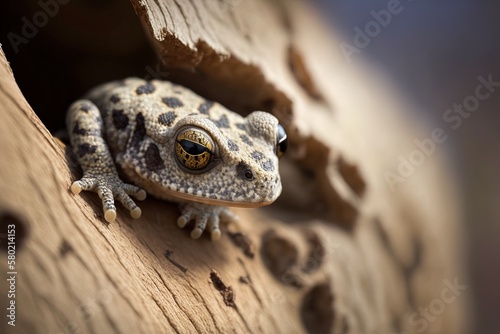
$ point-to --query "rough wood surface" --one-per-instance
(340, 252)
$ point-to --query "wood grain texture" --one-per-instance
(339, 252)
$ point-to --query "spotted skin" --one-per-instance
(132, 126)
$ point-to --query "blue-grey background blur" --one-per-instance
(434, 51)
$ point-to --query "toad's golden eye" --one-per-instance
(194, 149)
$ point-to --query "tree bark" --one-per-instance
(340, 251)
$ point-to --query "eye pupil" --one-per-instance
(194, 149)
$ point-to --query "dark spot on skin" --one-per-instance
(205, 107)
(244, 172)
(120, 120)
(241, 126)
(114, 98)
(257, 155)
(232, 146)
(147, 88)
(223, 122)
(246, 140)
(86, 149)
(79, 131)
(268, 166)
(152, 157)
(85, 107)
(225, 194)
(167, 118)
(139, 132)
(172, 102)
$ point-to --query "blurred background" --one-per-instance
(434, 52)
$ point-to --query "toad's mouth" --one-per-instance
(181, 195)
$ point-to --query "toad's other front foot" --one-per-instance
(206, 217)
(109, 187)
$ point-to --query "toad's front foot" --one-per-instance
(109, 187)
(206, 217)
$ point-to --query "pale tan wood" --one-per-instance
(339, 253)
